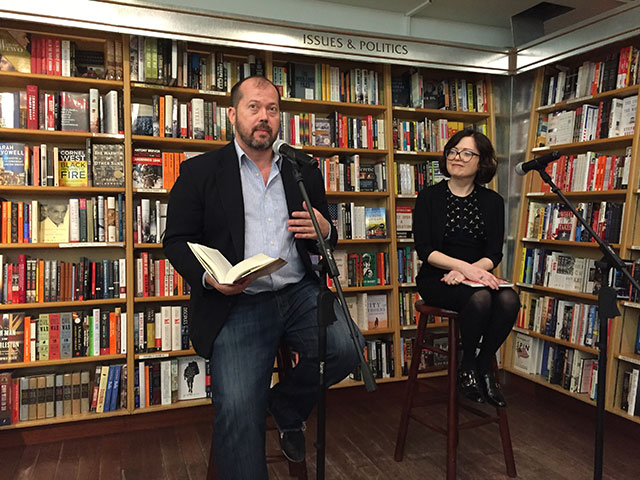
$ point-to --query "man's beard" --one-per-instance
(255, 143)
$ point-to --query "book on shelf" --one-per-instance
(191, 378)
(12, 164)
(428, 135)
(14, 49)
(74, 112)
(377, 315)
(362, 269)
(379, 355)
(73, 167)
(157, 277)
(376, 222)
(416, 91)
(108, 165)
(408, 265)
(216, 265)
(147, 168)
(404, 221)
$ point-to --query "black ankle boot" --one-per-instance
(468, 384)
(492, 390)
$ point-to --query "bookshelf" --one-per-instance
(623, 329)
(135, 91)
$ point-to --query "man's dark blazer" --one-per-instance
(206, 206)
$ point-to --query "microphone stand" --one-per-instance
(326, 316)
(607, 308)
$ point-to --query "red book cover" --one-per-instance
(57, 57)
(27, 339)
(32, 107)
(20, 222)
(34, 55)
(145, 274)
(22, 278)
(599, 121)
(54, 336)
(42, 55)
(112, 333)
(189, 121)
(50, 112)
(595, 79)
(50, 55)
(118, 331)
(15, 400)
(369, 131)
(40, 281)
(162, 291)
(12, 295)
(93, 279)
(612, 172)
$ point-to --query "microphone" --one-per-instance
(283, 148)
(537, 163)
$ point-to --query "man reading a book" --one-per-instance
(243, 200)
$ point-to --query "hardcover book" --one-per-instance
(377, 311)
(147, 168)
(74, 112)
(191, 378)
(141, 119)
(54, 221)
(376, 221)
(12, 167)
(73, 167)
(108, 165)
(14, 51)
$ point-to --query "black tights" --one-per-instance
(489, 315)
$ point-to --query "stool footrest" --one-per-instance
(432, 426)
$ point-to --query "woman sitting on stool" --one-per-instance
(459, 230)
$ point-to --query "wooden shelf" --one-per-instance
(139, 89)
(579, 147)
(189, 144)
(566, 243)
(587, 195)
(377, 288)
(556, 291)
(151, 191)
(407, 285)
(42, 136)
(421, 113)
(348, 151)
(145, 246)
(405, 240)
(622, 413)
(575, 102)
(379, 331)
(558, 341)
(408, 196)
(363, 240)
(628, 357)
(584, 397)
(631, 304)
(160, 355)
(68, 418)
(73, 304)
(20, 246)
(418, 155)
(31, 190)
(63, 361)
(174, 298)
(331, 194)
(634, 247)
(302, 105)
(55, 82)
(181, 404)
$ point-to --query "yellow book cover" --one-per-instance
(14, 53)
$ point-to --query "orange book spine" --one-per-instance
(40, 285)
(4, 224)
(20, 222)
(27, 339)
(112, 333)
(161, 120)
(146, 385)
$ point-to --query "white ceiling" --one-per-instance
(494, 13)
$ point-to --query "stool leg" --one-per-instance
(505, 435)
(411, 387)
(452, 409)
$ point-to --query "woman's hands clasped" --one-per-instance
(473, 274)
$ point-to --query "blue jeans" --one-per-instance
(242, 365)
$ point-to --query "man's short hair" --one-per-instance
(236, 94)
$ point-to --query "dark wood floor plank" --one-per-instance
(47, 460)
(552, 440)
(9, 461)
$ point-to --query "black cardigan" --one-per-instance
(429, 219)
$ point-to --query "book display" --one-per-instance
(93, 130)
(585, 108)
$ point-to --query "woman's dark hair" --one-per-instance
(487, 164)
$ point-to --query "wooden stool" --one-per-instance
(453, 405)
(296, 470)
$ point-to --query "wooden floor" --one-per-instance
(552, 439)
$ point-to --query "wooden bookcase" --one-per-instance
(623, 329)
(132, 91)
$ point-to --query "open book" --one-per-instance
(219, 267)
(501, 283)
